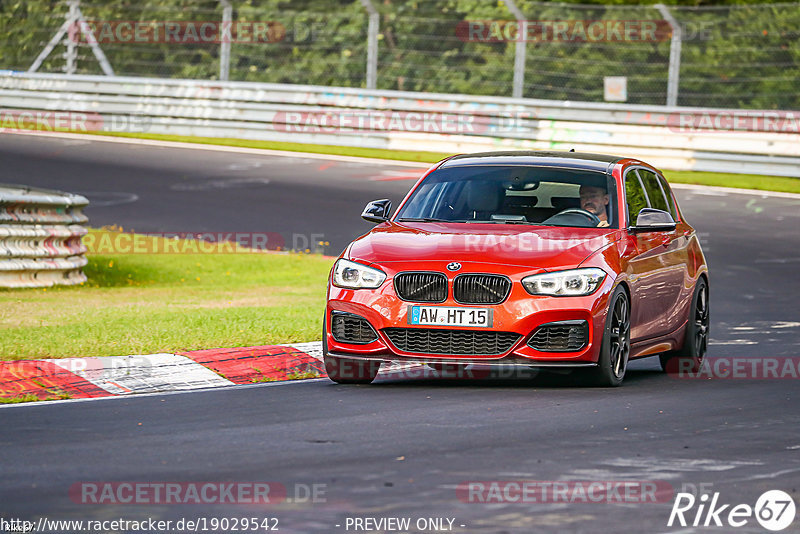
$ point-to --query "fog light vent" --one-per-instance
(350, 328)
(562, 336)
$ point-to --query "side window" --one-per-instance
(427, 195)
(670, 200)
(654, 193)
(634, 196)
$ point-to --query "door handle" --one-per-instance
(687, 233)
(665, 241)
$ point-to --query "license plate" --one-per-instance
(447, 316)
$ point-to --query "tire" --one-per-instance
(689, 358)
(616, 345)
(346, 370)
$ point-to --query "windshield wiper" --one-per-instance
(423, 219)
(505, 221)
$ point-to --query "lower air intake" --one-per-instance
(457, 342)
(563, 336)
(350, 328)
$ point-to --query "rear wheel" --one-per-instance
(616, 344)
(689, 358)
(347, 370)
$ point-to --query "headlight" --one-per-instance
(565, 283)
(353, 275)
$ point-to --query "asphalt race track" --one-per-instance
(401, 447)
(151, 189)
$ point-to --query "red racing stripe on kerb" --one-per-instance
(247, 365)
(45, 380)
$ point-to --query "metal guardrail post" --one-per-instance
(62, 31)
(74, 22)
(519, 50)
(225, 45)
(71, 54)
(372, 44)
(40, 237)
(90, 38)
(674, 55)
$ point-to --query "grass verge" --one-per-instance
(720, 179)
(360, 152)
(154, 302)
(33, 398)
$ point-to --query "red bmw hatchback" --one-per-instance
(535, 259)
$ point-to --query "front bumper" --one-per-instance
(521, 313)
(505, 362)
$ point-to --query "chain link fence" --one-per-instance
(732, 56)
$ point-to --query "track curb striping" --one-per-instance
(45, 380)
(117, 376)
(145, 373)
(249, 365)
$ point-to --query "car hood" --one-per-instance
(530, 246)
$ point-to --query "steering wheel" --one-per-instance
(578, 211)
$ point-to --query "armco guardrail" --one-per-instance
(40, 237)
(758, 142)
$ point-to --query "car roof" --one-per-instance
(575, 160)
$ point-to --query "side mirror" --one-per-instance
(377, 211)
(653, 220)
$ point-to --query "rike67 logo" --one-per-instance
(774, 510)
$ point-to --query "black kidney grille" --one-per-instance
(421, 287)
(560, 337)
(481, 288)
(466, 342)
(349, 328)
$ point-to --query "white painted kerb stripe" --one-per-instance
(123, 375)
(312, 348)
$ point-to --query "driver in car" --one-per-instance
(594, 200)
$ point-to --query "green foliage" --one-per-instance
(635, 197)
(735, 54)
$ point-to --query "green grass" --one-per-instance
(741, 181)
(145, 303)
(33, 398)
(380, 153)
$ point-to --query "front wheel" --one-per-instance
(689, 358)
(346, 370)
(616, 344)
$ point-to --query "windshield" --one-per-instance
(514, 194)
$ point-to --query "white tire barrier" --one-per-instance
(40, 237)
